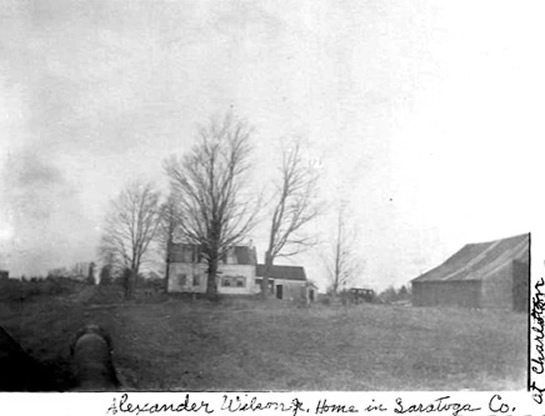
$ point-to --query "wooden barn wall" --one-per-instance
(521, 282)
(498, 289)
(465, 293)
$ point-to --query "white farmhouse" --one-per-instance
(238, 274)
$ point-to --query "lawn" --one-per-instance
(242, 344)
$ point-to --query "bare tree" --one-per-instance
(342, 263)
(130, 227)
(91, 273)
(294, 207)
(167, 230)
(208, 184)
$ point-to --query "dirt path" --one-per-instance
(84, 295)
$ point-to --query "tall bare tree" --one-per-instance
(166, 233)
(130, 228)
(208, 184)
(294, 207)
(343, 263)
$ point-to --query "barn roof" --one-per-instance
(283, 272)
(481, 260)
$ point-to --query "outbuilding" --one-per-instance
(286, 282)
(492, 274)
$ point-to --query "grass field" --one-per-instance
(238, 344)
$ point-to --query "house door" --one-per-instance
(279, 290)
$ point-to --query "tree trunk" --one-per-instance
(91, 274)
(167, 261)
(265, 279)
(212, 284)
(129, 280)
(134, 282)
(125, 279)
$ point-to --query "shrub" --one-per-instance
(391, 294)
(13, 290)
(105, 277)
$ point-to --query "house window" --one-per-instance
(196, 280)
(197, 254)
(182, 279)
(187, 254)
(233, 281)
(229, 257)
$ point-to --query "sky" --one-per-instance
(424, 117)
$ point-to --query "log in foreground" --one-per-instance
(92, 360)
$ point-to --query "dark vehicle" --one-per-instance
(359, 295)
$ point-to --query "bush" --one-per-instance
(155, 284)
(391, 295)
(107, 294)
(13, 290)
(324, 300)
(105, 277)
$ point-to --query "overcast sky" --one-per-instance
(425, 116)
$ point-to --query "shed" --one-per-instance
(286, 282)
(492, 274)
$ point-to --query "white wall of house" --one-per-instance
(187, 277)
(236, 279)
(192, 277)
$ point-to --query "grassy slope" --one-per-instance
(234, 345)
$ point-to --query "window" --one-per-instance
(187, 254)
(231, 257)
(233, 281)
(196, 280)
(182, 279)
(197, 255)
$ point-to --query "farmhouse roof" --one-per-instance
(283, 272)
(480, 261)
(188, 253)
(245, 255)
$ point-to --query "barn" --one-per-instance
(493, 274)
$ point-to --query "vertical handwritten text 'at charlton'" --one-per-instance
(538, 360)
